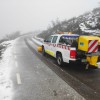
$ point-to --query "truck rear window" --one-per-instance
(67, 39)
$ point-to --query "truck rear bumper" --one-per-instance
(75, 61)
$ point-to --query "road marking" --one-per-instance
(15, 56)
(18, 78)
(16, 64)
(62, 70)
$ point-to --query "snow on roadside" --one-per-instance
(5, 81)
(5, 44)
(38, 38)
(37, 41)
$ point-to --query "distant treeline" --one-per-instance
(11, 36)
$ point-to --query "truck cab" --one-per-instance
(60, 46)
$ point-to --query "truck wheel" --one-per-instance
(43, 51)
(59, 60)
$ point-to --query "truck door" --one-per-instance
(53, 47)
(65, 52)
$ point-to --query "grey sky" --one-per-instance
(30, 15)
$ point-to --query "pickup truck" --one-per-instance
(67, 48)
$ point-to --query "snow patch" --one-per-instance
(37, 41)
(5, 70)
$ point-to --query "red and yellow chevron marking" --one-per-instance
(93, 46)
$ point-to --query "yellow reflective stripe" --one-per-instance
(47, 51)
(50, 52)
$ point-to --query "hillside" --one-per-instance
(88, 23)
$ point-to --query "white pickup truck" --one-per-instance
(72, 47)
(60, 47)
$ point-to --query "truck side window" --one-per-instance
(69, 41)
(49, 39)
(63, 40)
(54, 39)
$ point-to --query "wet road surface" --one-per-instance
(86, 82)
(24, 76)
(27, 75)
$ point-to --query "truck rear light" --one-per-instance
(72, 53)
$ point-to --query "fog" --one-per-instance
(31, 15)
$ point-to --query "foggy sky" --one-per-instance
(31, 15)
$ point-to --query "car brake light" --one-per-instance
(72, 53)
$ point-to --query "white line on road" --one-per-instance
(15, 56)
(61, 70)
(16, 64)
(18, 78)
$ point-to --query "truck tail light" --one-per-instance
(73, 54)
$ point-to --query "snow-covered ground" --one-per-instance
(90, 23)
(6, 84)
(5, 70)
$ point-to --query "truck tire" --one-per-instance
(59, 59)
(43, 51)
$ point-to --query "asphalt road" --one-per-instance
(35, 77)
(86, 82)
(29, 77)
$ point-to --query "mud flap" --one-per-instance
(92, 60)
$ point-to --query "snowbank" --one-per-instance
(36, 40)
(5, 70)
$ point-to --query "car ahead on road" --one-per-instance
(65, 48)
